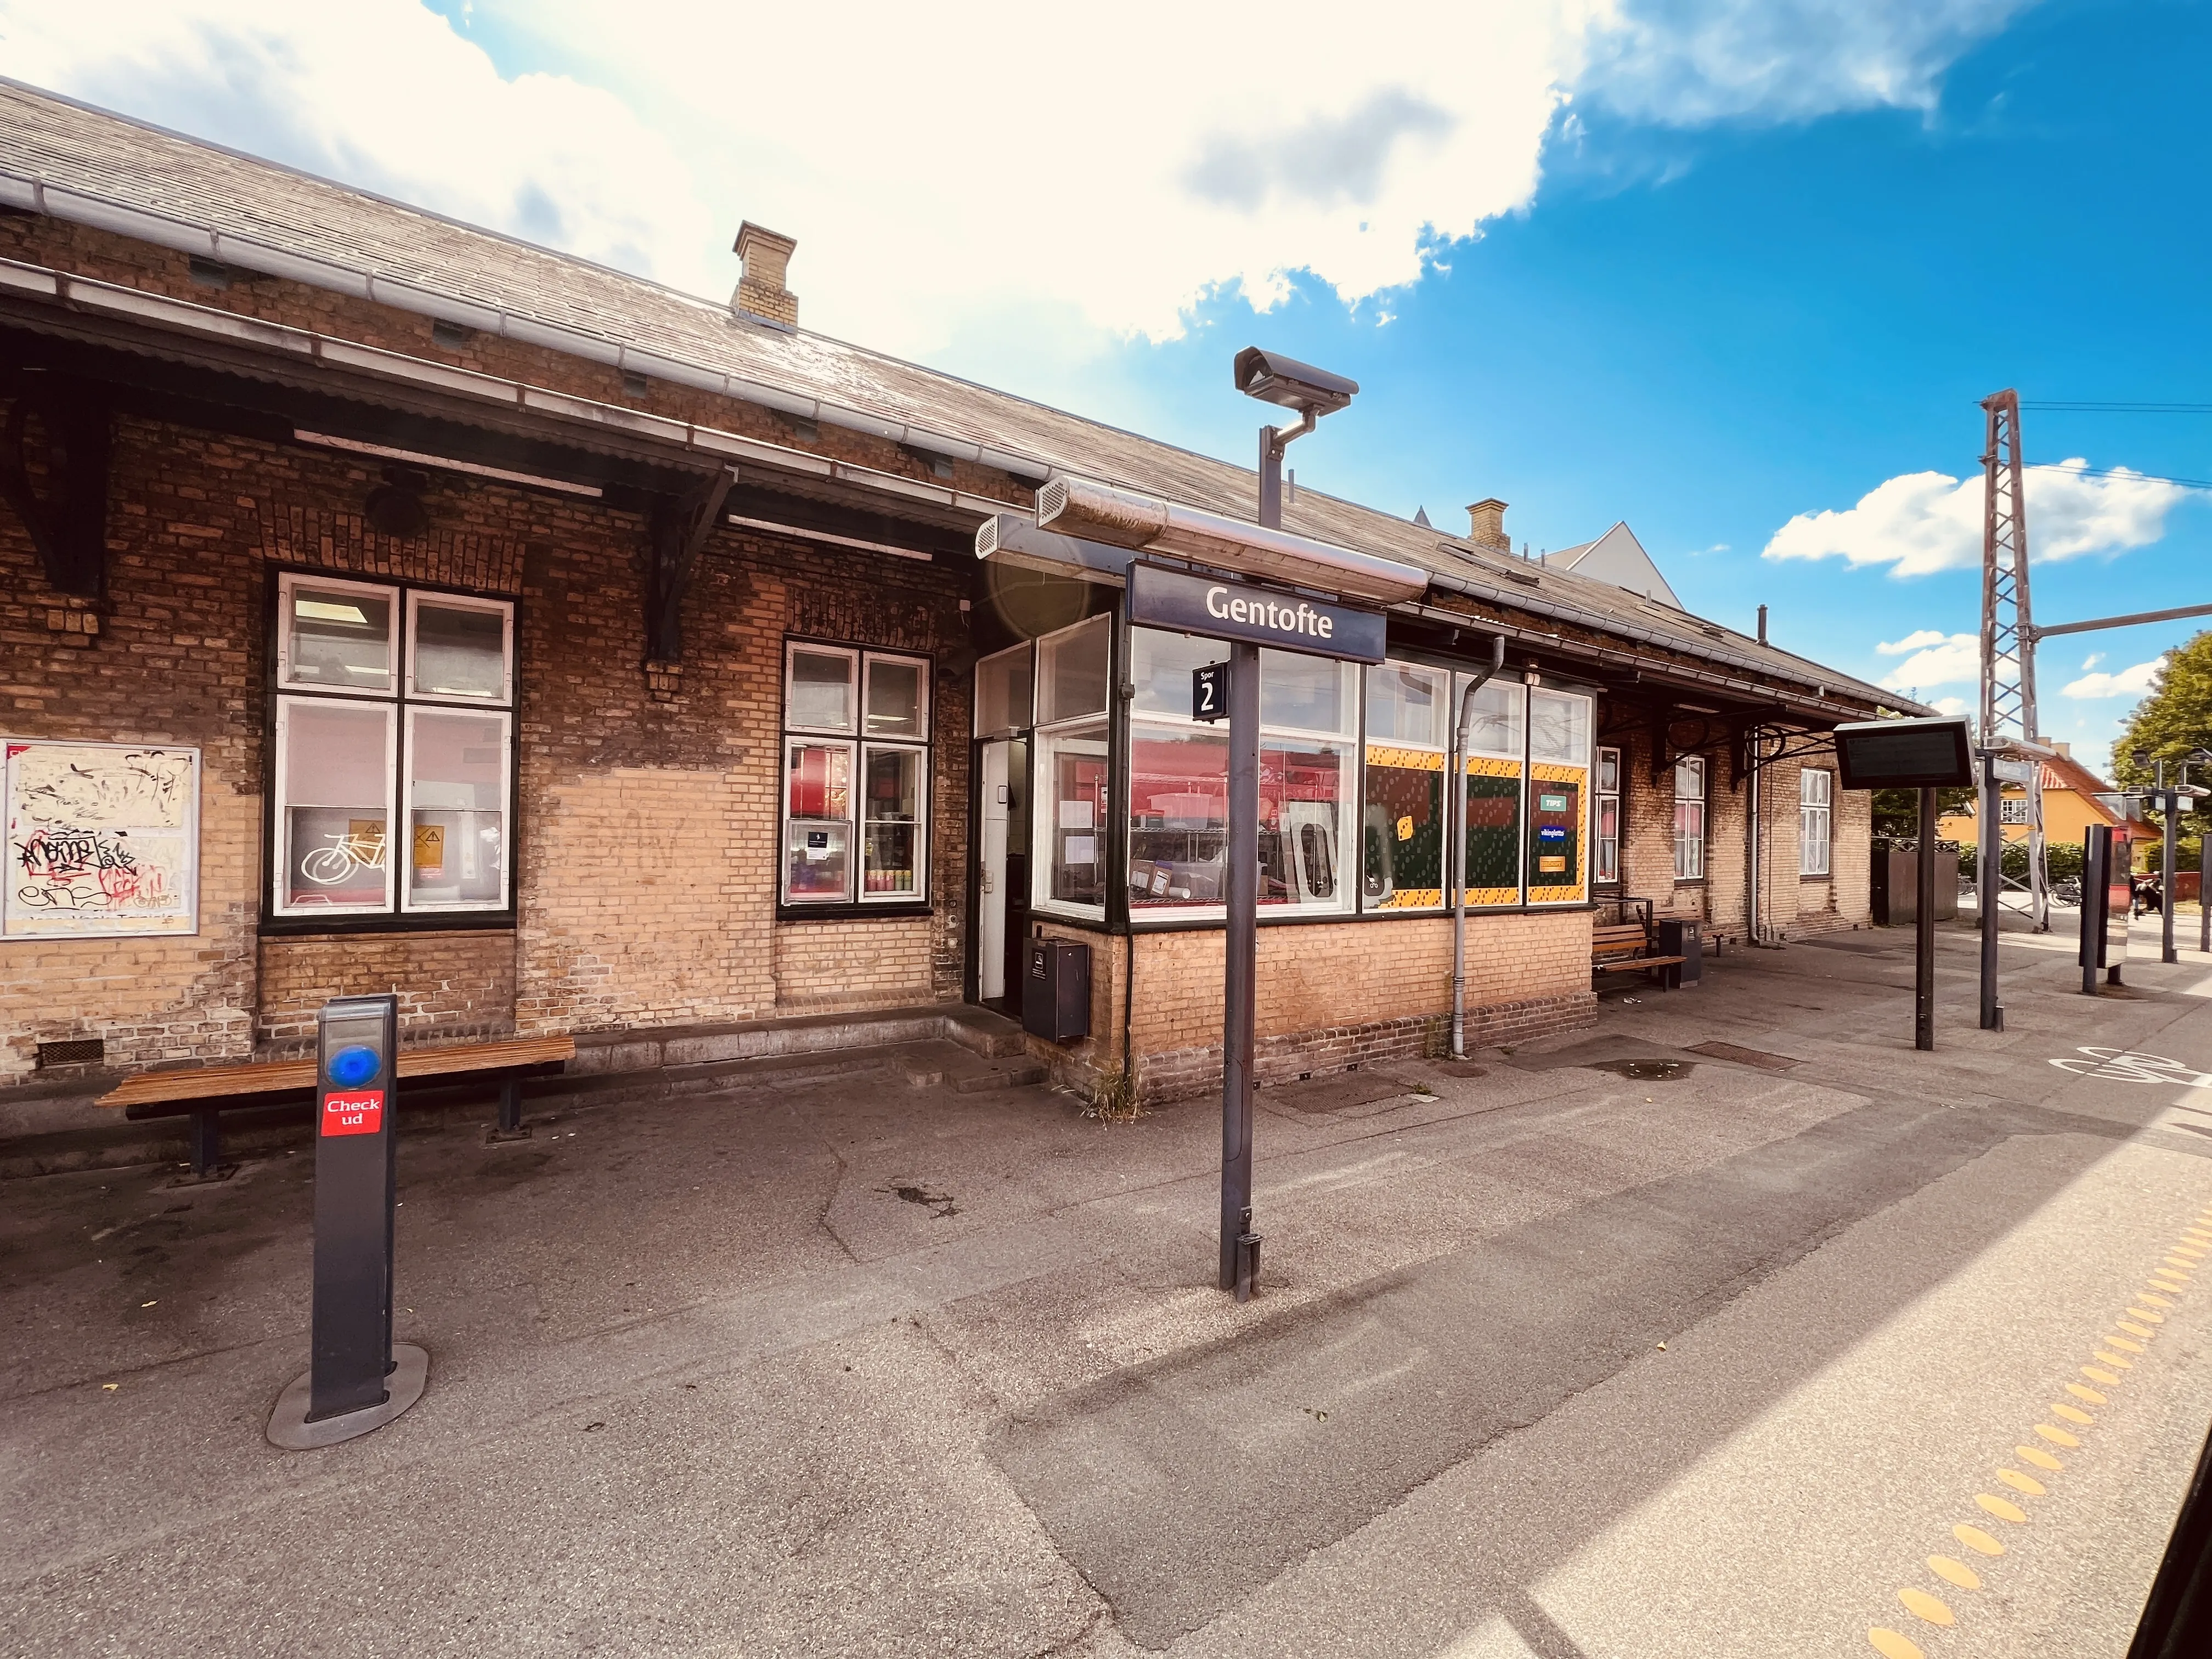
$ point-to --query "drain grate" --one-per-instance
(74, 1051)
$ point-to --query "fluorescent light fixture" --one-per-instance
(323, 611)
(804, 534)
(415, 457)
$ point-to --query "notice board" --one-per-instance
(103, 840)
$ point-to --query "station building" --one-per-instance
(393, 605)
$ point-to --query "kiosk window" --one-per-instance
(1690, 818)
(855, 776)
(393, 757)
(1178, 812)
(1815, 795)
(1401, 813)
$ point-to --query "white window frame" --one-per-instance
(1044, 800)
(1692, 868)
(416, 597)
(854, 739)
(403, 836)
(818, 648)
(288, 582)
(1028, 716)
(281, 863)
(2012, 809)
(397, 700)
(1604, 850)
(1815, 821)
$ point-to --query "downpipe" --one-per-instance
(1456, 816)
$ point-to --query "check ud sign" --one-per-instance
(1222, 608)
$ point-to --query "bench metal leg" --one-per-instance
(203, 1135)
(510, 1125)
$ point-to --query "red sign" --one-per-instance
(360, 1113)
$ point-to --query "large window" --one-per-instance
(1074, 799)
(394, 751)
(855, 776)
(1559, 787)
(1409, 718)
(1497, 742)
(1178, 809)
(1690, 818)
(1815, 820)
(1605, 829)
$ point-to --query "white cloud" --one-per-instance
(2128, 682)
(2092, 660)
(1936, 659)
(1912, 642)
(1681, 61)
(952, 172)
(1921, 522)
(1952, 705)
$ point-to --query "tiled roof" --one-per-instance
(88, 161)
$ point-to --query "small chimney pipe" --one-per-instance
(1762, 624)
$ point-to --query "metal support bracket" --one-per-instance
(68, 521)
(674, 537)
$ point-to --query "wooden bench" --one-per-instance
(1625, 947)
(205, 1092)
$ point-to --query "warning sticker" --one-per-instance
(360, 1113)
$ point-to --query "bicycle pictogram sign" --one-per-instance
(2126, 1066)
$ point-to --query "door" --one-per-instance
(1002, 899)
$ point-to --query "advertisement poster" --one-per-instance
(103, 840)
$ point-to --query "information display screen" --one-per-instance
(1918, 754)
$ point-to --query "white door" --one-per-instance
(991, 900)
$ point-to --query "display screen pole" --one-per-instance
(1923, 955)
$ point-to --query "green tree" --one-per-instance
(2167, 725)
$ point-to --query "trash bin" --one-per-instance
(1686, 941)
(1056, 990)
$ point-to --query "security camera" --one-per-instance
(1275, 379)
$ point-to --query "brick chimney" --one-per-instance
(763, 257)
(1485, 522)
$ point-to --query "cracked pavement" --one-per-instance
(1610, 1345)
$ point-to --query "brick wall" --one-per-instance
(1328, 995)
(647, 867)
(450, 986)
(1790, 905)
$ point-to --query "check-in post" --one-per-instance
(1926, 755)
(356, 1379)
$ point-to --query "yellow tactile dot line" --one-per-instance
(2168, 1280)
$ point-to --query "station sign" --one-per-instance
(2013, 771)
(1221, 607)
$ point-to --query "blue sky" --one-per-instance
(1734, 271)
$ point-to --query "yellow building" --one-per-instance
(2069, 806)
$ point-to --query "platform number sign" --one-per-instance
(1209, 692)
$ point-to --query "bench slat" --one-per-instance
(278, 1076)
(1627, 963)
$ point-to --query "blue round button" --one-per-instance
(351, 1067)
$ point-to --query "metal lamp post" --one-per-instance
(1313, 392)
